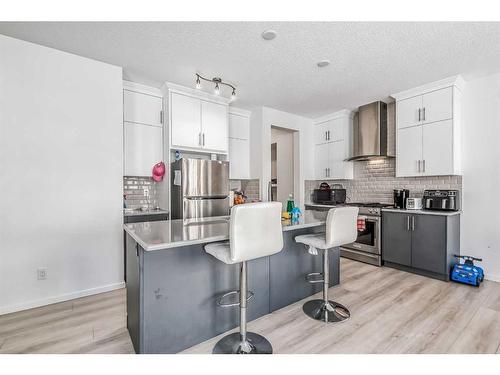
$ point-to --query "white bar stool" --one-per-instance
(254, 231)
(341, 229)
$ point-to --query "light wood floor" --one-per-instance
(391, 312)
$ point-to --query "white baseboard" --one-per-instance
(492, 277)
(60, 298)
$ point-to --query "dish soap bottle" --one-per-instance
(290, 205)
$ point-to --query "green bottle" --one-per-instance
(290, 205)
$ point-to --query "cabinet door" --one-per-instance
(336, 129)
(321, 160)
(429, 243)
(239, 159)
(214, 126)
(409, 151)
(321, 132)
(142, 108)
(396, 238)
(143, 148)
(336, 160)
(437, 105)
(239, 126)
(185, 115)
(437, 148)
(407, 112)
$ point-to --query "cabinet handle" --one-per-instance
(199, 139)
(408, 223)
(419, 114)
(423, 163)
(203, 139)
(424, 114)
(418, 165)
(412, 223)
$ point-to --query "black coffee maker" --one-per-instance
(400, 196)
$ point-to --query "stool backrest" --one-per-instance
(341, 226)
(255, 230)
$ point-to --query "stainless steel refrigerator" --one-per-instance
(199, 189)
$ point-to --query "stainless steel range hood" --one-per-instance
(370, 133)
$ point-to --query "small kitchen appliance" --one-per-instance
(467, 272)
(400, 196)
(441, 200)
(327, 195)
(413, 203)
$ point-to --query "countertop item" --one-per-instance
(146, 212)
(424, 212)
(167, 234)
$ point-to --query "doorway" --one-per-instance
(282, 164)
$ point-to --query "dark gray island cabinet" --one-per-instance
(420, 242)
(173, 284)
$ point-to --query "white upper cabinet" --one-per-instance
(198, 122)
(239, 144)
(333, 138)
(428, 134)
(239, 126)
(408, 112)
(329, 131)
(409, 151)
(214, 126)
(142, 108)
(142, 148)
(437, 105)
(142, 129)
(185, 121)
(437, 148)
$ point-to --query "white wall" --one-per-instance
(262, 120)
(284, 163)
(480, 226)
(61, 163)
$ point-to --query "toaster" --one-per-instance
(413, 203)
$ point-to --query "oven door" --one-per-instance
(368, 239)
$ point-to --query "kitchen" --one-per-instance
(166, 164)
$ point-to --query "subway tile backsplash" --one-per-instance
(375, 180)
(140, 192)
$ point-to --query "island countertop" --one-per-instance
(167, 234)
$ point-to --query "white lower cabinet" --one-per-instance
(143, 148)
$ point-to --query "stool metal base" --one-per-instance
(317, 309)
(231, 344)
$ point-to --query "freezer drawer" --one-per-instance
(202, 208)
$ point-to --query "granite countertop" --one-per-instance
(167, 234)
(423, 212)
(146, 212)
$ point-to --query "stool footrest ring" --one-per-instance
(315, 277)
(232, 298)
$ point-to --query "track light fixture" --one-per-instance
(218, 81)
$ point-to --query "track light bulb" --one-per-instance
(198, 83)
(217, 90)
(233, 95)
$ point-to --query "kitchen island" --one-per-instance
(173, 284)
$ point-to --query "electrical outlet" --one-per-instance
(42, 273)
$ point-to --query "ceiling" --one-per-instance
(369, 61)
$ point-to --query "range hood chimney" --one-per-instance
(370, 132)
